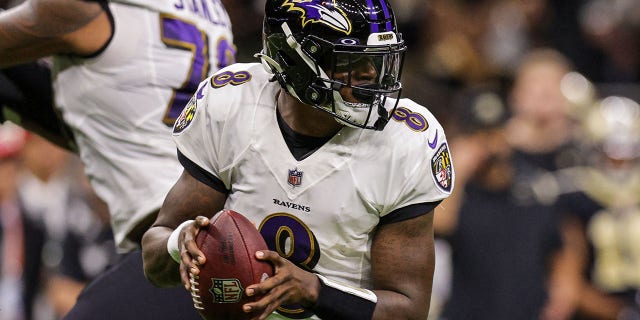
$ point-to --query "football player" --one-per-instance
(314, 145)
(602, 201)
(121, 73)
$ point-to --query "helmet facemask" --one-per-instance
(349, 80)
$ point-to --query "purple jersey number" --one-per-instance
(184, 35)
(292, 239)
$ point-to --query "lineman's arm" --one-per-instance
(41, 28)
(188, 199)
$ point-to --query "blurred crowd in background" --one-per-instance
(540, 102)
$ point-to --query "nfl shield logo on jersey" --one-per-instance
(295, 177)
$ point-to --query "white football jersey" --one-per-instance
(121, 103)
(319, 212)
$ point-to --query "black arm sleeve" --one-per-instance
(408, 212)
(202, 175)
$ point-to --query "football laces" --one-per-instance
(195, 296)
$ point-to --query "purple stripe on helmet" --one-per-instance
(373, 16)
(385, 9)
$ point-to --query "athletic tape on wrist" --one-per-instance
(338, 301)
(173, 245)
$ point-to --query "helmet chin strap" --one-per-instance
(349, 112)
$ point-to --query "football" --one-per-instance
(229, 244)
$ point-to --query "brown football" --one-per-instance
(229, 243)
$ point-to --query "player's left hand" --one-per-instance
(289, 285)
(192, 257)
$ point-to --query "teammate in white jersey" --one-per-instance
(297, 145)
(122, 72)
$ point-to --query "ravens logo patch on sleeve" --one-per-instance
(186, 116)
(442, 169)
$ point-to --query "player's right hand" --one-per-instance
(289, 285)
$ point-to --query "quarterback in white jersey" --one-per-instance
(332, 200)
(339, 175)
